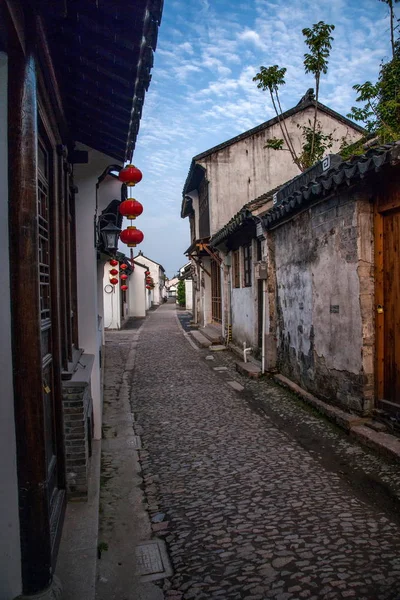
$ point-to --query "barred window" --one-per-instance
(247, 265)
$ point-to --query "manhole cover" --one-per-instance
(152, 560)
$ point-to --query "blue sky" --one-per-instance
(202, 91)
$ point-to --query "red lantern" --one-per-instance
(113, 262)
(123, 266)
(131, 236)
(130, 175)
(124, 288)
(148, 280)
(147, 272)
(114, 281)
(124, 276)
(148, 287)
(114, 272)
(130, 208)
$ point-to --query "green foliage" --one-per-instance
(315, 145)
(270, 78)
(380, 102)
(181, 295)
(275, 144)
(319, 42)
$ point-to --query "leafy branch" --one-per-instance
(319, 42)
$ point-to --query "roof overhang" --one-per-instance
(195, 176)
(102, 54)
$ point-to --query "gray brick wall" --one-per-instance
(77, 403)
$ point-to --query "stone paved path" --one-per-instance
(251, 513)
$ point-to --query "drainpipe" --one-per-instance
(245, 352)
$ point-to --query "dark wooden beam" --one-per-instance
(36, 552)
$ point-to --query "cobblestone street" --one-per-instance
(246, 509)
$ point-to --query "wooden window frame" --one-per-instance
(247, 265)
(236, 269)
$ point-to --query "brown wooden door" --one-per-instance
(391, 306)
(216, 308)
(387, 258)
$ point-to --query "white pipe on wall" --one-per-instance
(264, 284)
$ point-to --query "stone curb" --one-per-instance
(384, 443)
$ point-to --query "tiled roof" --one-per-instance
(348, 173)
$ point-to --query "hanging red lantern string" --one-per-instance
(114, 272)
(114, 280)
(132, 236)
(113, 262)
(124, 276)
(123, 267)
(124, 288)
(131, 208)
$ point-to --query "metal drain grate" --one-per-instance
(152, 560)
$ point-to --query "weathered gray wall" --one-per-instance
(324, 334)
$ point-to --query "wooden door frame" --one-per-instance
(388, 186)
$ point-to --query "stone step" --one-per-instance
(213, 333)
(200, 339)
(248, 369)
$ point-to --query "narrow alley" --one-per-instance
(246, 510)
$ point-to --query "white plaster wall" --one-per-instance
(137, 293)
(245, 170)
(111, 300)
(244, 316)
(10, 555)
(85, 177)
(189, 294)
(155, 273)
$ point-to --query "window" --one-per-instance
(236, 268)
(247, 265)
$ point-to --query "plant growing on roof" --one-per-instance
(315, 142)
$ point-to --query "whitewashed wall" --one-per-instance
(189, 294)
(10, 555)
(112, 300)
(156, 274)
(137, 293)
(246, 169)
(85, 177)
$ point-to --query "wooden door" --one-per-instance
(216, 307)
(52, 408)
(387, 241)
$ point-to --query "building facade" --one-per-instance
(55, 97)
(225, 178)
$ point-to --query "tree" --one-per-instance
(319, 41)
(181, 295)
(380, 101)
(391, 4)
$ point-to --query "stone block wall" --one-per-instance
(78, 433)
